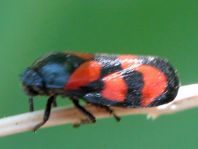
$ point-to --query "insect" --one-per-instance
(100, 79)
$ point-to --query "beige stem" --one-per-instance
(187, 98)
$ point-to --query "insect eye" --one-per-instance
(31, 78)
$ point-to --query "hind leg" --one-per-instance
(108, 109)
(90, 117)
(97, 100)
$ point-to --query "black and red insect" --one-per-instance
(102, 80)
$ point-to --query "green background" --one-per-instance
(167, 28)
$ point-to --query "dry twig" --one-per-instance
(187, 98)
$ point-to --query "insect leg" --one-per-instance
(91, 117)
(31, 104)
(97, 100)
(54, 103)
(47, 112)
(108, 109)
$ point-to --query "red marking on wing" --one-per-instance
(155, 83)
(128, 61)
(86, 56)
(85, 74)
(115, 88)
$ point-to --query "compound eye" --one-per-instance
(31, 78)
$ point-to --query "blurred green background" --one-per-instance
(31, 28)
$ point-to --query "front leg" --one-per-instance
(31, 104)
(47, 112)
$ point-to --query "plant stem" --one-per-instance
(187, 98)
